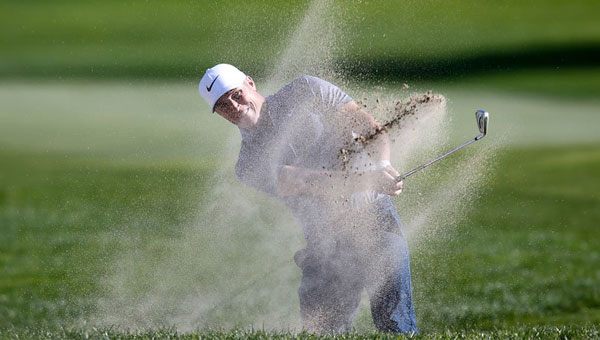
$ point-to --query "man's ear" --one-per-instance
(251, 82)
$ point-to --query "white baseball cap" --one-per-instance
(217, 81)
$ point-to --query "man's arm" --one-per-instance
(345, 116)
(352, 118)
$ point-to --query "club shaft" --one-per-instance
(421, 167)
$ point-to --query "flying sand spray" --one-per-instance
(200, 280)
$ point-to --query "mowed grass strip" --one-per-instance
(156, 39)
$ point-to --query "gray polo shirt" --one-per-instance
(294, 129)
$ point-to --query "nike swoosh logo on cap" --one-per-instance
(208, 88)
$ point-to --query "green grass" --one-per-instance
(57, 219)
(528, 251)
(512, 333)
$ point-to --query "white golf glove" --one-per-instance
(363, 198)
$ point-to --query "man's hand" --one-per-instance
(378, 182)
(382, 180)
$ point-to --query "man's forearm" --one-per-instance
(370, 134)
(379, 148)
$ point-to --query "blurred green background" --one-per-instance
(107, 155)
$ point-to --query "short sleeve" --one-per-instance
(327, 96)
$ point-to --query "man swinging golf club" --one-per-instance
(291, 144)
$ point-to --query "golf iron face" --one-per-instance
(482, 118)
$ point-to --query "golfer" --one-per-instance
(299, 146)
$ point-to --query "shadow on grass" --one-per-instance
(577, 55)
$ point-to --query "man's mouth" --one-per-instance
(236, 117)
(242, 114)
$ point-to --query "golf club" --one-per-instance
(482, 117)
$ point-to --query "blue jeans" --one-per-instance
(375, 259)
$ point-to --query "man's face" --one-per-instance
(241, 105)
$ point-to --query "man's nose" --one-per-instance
(235, 104)
(232, 105)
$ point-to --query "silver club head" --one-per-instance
(482, 117)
